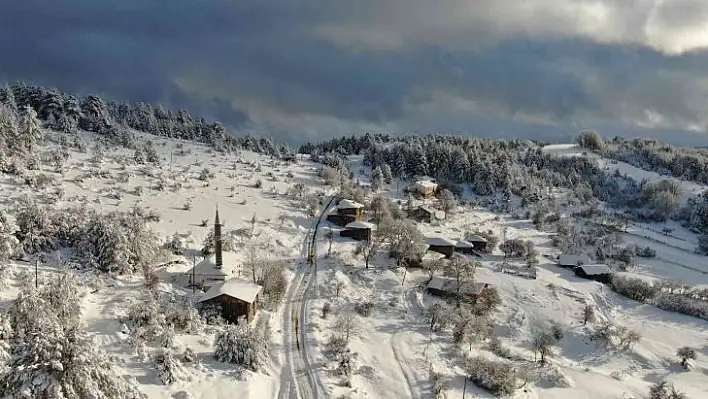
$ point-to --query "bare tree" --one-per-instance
(462, 270)
(346, 325)
(435, 314)
(253, 222)
(403, 238)
(367, 249)
(433, 266)
(329, 236)
(447, 201)
(253, 260)
(379, 209)
(543, 345)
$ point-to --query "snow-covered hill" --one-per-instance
(393, 351)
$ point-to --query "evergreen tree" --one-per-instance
(30, 133)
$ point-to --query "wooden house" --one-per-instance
(426, 214)
(447, 287)
(359, 231)
(440, 245)
(465, 247)
(346, 212)
(236, 297)
(600, 272)
(479, 243)
(571, 261)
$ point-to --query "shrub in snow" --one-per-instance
(147, 317)
(682, 304)
(189, 356)
(53, 363)
(497, 377)
(618, 337)
(646, 252)
(685, 354)
(364, 308)
(633, 288)
(242, 345)
(326, 308)
(168, 368)
(497, 348)
(665, 390)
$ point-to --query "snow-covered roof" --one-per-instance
(439, 242)
(235, 288)
(463, 244)
(207, 267)
(593, 270)
(573, 260)
(475, 238)
(425, 184)
(349, 204)
(359, 225)
(448, 284)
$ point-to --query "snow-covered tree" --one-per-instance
(30, 132)
(665, 390)
(686, 353)
(377, 179)
(54, 363)
(242, 345)
(367, 249)
(447, 201)
(168, 368)
(8, 241)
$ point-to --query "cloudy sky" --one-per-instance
(310, 69)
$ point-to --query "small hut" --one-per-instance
(571, 261)
(465, 247)
(600, 272)
(345, 212)
(479, 243)
(359, 231)
(236, 297)
(440, 245)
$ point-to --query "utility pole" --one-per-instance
(36, 273)
(464, 388)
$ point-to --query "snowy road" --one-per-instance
(298, 379)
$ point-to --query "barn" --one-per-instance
(236, 297)
(447, 287)
(572, 261)
(440, 245)
(479, 243)
(600, 272)
(465, 247)
(359, 231)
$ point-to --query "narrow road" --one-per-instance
(298, 379)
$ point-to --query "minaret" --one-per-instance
(217, 240)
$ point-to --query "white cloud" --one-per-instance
(672, 27)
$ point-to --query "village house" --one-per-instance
(359, 231)
(465, 247)
(345, 212)
(601, 273)
(423, 188)
(571, 260)
(446, 287)
(440, 245)
(236, 298)
(479, 243)
(426, 214)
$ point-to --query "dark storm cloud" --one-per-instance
(314, 68)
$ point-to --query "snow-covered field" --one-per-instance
(394, 348)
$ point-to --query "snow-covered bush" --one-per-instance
(53, 363)
(167, 337)
(274, 283)
(189, 356)
(681, 304)
(168, 368)
(242, 345)
(665, 390)
(497, 377)
(364, 307)
(145, 316)
(633, 288)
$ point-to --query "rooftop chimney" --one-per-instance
(217, 240)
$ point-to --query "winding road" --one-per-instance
(298, 379)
